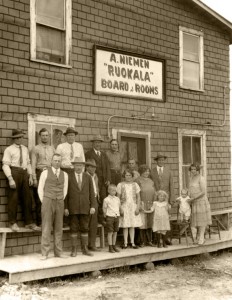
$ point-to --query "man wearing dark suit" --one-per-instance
(163, 180)
(102, 171)
(162, 177)
(80, 203)
(90, 168)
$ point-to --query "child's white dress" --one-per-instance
(161, 216)
(184, 208)
(128, 193)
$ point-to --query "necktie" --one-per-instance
(56, 173)
(160, 172)
(45, 153)
(20, 155)
(79, 181)
(99, 153)
(71, 153)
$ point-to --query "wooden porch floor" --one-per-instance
(22, 268)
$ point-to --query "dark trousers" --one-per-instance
(67, 219)
(20, 195)
(102, 194)
(79, 222)
(116, 176)
(37, 200)
(93, 222)
(52, 219)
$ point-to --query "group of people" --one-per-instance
(90, 188)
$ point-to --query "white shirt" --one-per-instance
(78, 174)
(42, 181)
(111, 205)
(98, 152)
(11, 158)
(64, 150)
(94, 183)
(160, 169)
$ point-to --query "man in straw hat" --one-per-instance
(17, 168)
(52, 190)
(69, 150)
(80, 203)
(90, 168)
(102, 171)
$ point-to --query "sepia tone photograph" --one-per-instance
(115, 154)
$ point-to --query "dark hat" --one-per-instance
(90, 162)
(78, 160)
(97, 137)
(70, 130)
(16, 133)
(159, 155)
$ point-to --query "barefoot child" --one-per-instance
(161, 222)
(184, 206)
(111, 210)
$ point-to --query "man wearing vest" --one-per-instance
(80, 203)
(52, 190)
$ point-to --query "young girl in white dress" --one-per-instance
(161, 223)
(129, 193)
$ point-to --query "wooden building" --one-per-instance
(153, 74)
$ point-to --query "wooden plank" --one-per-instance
(113, 261)
(2, 244)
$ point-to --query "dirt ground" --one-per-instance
(203, 277)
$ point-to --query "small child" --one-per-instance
(111, 210)
(184, 206)
(161, 223)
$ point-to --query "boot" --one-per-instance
(111, 250)
(74, 245)
(115, 249)
(84, 243)
(164, 240)
(158, 240)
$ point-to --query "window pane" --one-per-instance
(196, 149)
(185, 177)
(191, 47)
(50, 12)
(191, 74)
(50, 44)
(186, 150)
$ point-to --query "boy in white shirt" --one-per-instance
(111, 210)
(184, 206)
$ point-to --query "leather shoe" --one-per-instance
(95, 249)
(33, 227)
(61, 256)
(14, 227)
(43, 257)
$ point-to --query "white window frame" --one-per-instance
(34, 119)
(193, 133)
(201, 56)
(68, 35)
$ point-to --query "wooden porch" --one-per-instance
(29, 267)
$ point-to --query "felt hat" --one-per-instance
(97, 137)
(78, 160)
(70, 130)
(159, 155)
(90, 162)
(16, 133)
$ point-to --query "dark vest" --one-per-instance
(54, 187)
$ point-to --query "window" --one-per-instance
(51, 31)
(191, 59)
(192, 149)
(56, 126)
